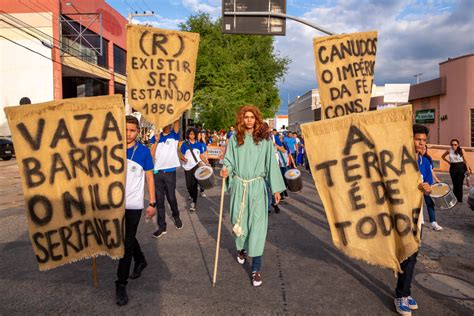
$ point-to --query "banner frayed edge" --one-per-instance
(103, 253)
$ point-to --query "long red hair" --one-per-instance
(260, 132)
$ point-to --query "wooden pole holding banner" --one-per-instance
(216, 261)
(94, 272)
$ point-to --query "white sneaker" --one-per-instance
(256, 279)
(193, 206)
(203, 194)
(435, 226)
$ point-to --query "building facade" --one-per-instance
(51, 50)
(446, 104)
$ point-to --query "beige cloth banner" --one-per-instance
(367, 180)
(161, 65)
(344, 70)
(71, 158)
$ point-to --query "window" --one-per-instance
(77, 40)
(120, 57)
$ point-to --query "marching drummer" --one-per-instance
(192, 153)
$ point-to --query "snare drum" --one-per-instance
(205, 177)
(293, 179)
(442, 196)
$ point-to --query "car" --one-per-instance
(6, 149)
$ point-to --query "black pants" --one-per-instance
(457, 170)
(404, 279)
(283, 170)
(132, 247)
(191, 184)
(165, 184)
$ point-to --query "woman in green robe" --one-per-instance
(250, 164)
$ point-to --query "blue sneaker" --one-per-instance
(412, 303)
(401, 304)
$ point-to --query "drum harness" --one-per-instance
(237, 229)
(192, 153)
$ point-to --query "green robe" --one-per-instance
(258, 162)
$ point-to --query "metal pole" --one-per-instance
(281, 15)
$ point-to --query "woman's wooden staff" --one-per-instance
(218, 235)
(94, 272)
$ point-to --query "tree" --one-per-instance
(233, 70)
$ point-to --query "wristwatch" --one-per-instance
(152, 204)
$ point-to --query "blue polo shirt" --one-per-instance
(139, 161)
(426, 169)
(290, 142)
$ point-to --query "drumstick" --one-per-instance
(218, 234)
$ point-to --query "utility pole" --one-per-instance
(417, 76)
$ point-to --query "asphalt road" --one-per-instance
(302, 272)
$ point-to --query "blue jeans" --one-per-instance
(430, 206)
(270, 196)
(256, 263)
(404, 279)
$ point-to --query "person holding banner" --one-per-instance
(404, 302)
(250, 164)
(139, 167)
(282, 158)
(165, 152)
(192, 153)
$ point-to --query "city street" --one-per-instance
(302, 272)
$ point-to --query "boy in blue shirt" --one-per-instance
(139, 167)
(404, 303)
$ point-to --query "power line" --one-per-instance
(59, 44)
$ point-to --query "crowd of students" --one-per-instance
(158, 164)
(249, 178)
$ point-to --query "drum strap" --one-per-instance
(237, 229)
(191, 150)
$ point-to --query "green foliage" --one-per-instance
(233, 70)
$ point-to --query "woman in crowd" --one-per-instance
(222, 137)
(458, 167)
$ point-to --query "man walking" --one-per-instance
(250, 164)
(139, 166)
(165, 151)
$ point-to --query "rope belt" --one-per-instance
(237, 229)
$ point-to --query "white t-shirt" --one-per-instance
(166, 154)
(198, 149)
(453, 157)
(138, 162)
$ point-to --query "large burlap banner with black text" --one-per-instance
(345, 70)
(71, 158)
(366, 173)
(161, 66)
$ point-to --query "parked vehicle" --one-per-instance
(6, 149)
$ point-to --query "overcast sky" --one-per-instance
(414, 36)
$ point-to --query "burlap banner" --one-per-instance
(366, 173)
(71, 158)
(161, 65)
(344, 70)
